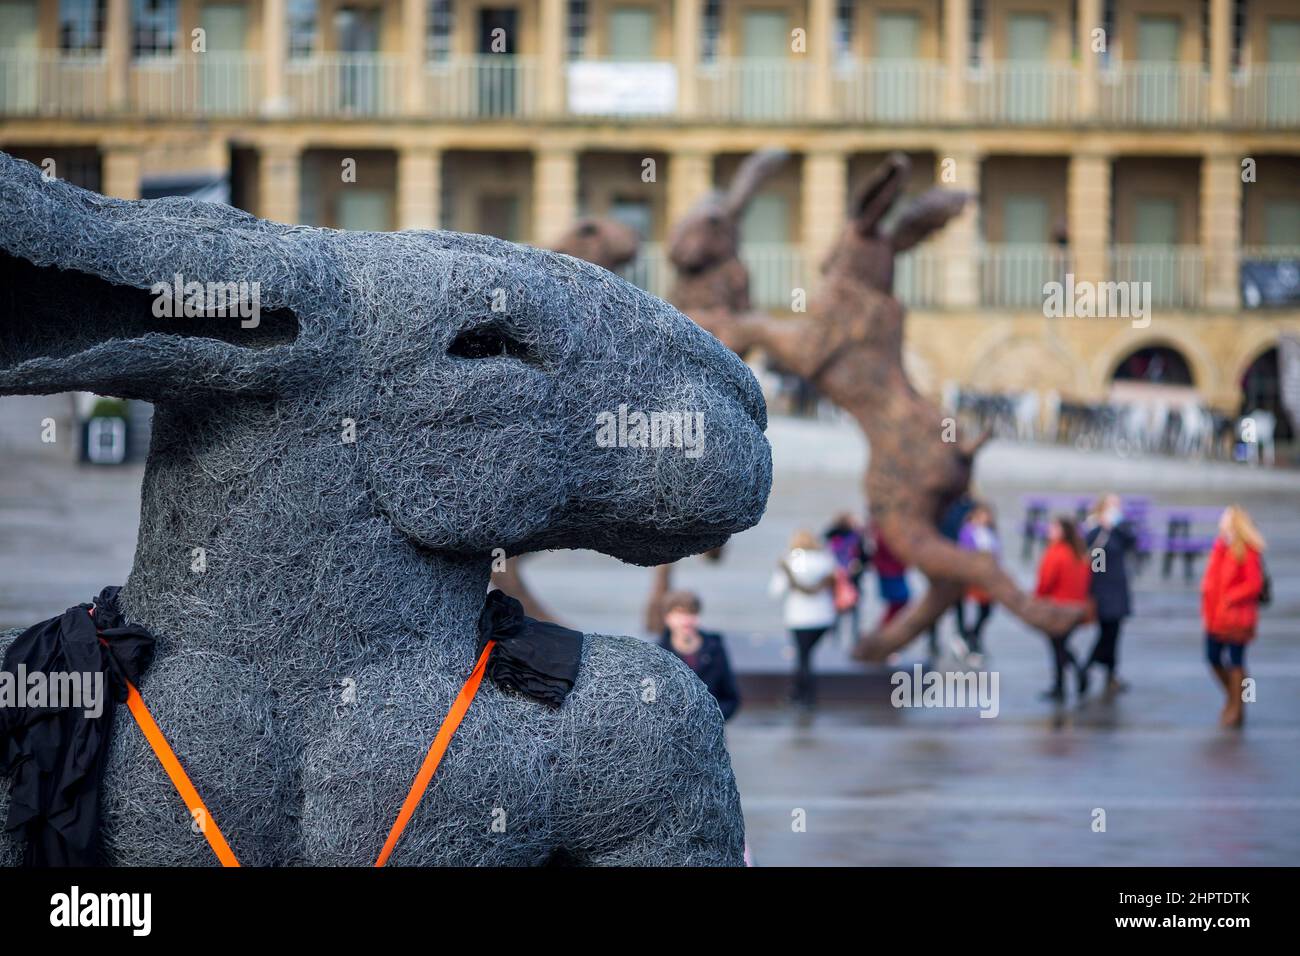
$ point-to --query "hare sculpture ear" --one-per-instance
(878, 192)
(89, 297)
(926, 214)
(749, 178)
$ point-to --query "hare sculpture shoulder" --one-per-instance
(402, 405)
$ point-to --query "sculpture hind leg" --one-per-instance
(951, 570)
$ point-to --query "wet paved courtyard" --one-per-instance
(863, 782)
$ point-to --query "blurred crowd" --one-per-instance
(821, 582)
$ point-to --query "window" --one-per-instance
(844, 29)
(711, 27)
(1238, 31)
(976, 38)
(81, 26)
(302, 28)
(577, 29)
(155, 27)
(1108, 28)
(441, 21)
(633, 213)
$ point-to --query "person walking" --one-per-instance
(704, 652)
(1109, 539)
(978, 533)
(805, 579)
(1231, 592)
(846, 539)
(1064, 578)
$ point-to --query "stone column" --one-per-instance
(960, 240)
(825, 199)
(956, 45)
(690, 176)
(1221, 229)
(821, 53)
(279, 172)
(415, 30)
(121, 171)
(686, 54)
(117, 53)
(275, 50)
(419, 187)
(1089, 62)
(1220, 59)
(1088, 215)
(553, 33)
(555, 192)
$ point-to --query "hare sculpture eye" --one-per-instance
(491, 341)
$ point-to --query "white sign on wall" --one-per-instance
(622, 89)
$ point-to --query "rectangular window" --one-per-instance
(1108, 29)
(81, 26)
(976, 38)
(631, 34)
(711, 30)
(844, 29)
(441, 21)
(302, 28)
(577, 29)
(155, 27)
(1238, 31)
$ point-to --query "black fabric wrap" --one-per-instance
(56, 754)
(536, 658)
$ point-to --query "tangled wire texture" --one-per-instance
(323, 495)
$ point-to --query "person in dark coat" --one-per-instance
(1109, 540)
(703, 651)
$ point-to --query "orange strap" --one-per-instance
(199, 811)
(180, 780)
(436, 750)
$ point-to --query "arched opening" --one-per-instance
(1261, 387)
(1155, 365)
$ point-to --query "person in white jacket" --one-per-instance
(805, 579)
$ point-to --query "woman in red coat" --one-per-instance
(1064, 575)
(1230, 590)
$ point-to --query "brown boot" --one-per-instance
(1235, 713)
(1221, 673)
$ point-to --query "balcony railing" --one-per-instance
(345, 84)
(755, 90)
(206, 84)
(1267, 96)
(1012, 275)
(482, 87)
(1176, 273)
(49, 83)
(891, 92)
(775, 271)
(918, 278)
(1029, 94)
(650, 270)
(1155, 95)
